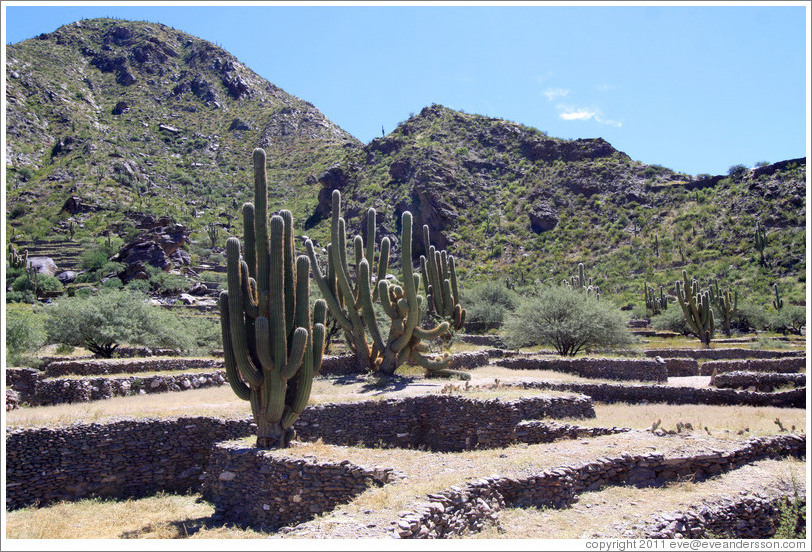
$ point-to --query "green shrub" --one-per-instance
(100, 323)
(24, 334)
(671, 320)
(568, 320)
(44, 284)
(488, 303)
(749, 318)
(790, 319)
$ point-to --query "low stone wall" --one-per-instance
(719, 354)
(597, 368)
(95, 367)
(537, 431)
(59, 391)
(338, 365)
(468, 361)
(133, 458)
(765, 382)
(443, 423)
(634, 394)
(467, 509)
(742, 517)
(783, 365)
(681, 367)
(486, 340)
(267, 490)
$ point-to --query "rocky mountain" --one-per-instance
(112, 123)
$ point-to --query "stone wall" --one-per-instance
(741, 517)
(635, 394)
(537, 431)
(681, 367)
(267, 490)
(720, 354)
(129, 458)
(760, 381)
(468, 361)
(596, 368)
(132, 458)
(96, 367)
(784, 365)
(485, 340)
(468, 508)
(436, 422)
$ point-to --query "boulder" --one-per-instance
(542, 217)
(180, 257)
(66, 276)
(136, 255)
(43, 265)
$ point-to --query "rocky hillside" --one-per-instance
(139, 117)
(517, 204)
(113, 122)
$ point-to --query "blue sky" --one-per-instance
(694, 88)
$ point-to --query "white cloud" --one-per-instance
(553, 93)
(575, 114)
(570, 113)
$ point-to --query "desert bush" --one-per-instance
(568, 320)
(102, 322)
(45, 284)
(671, 320)
(489, 302)
(24, 334)
(790, 319)
(749, 318)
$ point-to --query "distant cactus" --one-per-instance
(778, 303)
(654, 303)
(213, 232)
(271, 348)
(581, 282)
(656, 245)
(696, 308)
(16, 259)
(760, 241)
(352, 305)
(726, 302)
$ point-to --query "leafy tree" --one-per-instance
(790, 319)
(568, 320)
(671, 320)
(100, 323)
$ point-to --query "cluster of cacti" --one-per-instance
(351, 300)
(440, 283)
(760, 241)
(696, 307)
(726, 303)
(271, 347)
(15, 258)
(580, 282)
(777, 302)
(655, 304)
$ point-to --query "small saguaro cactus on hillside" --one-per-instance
(726, 302)
(760, 241)
(778, 303)
(440, 282)
(581, 282)
(696, 307)
(351, 300)
(271, 347)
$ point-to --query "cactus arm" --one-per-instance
(433, 333)
(289, 271)
(232, 372)
(297, 352)
(279, 334)
(455, 291)
(383, 265)
(370, 253)
(239, 338)
(261, 222)
(327, 292)
(368, 313)
(249, 253)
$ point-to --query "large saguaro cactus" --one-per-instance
(351, 299)
(271, 346)
(696, 307)
(726, 302)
